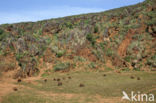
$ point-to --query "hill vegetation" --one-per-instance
(121, 39)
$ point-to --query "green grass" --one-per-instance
(34, 96)
(108, 86)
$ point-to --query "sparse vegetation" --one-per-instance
(61, 67)
(82, 87)
(121, 40)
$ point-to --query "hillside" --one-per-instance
(122, 39)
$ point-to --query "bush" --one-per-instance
(60, 53)
(61, 66)
(151, 22)
(78, 58)
(20, 56)
(92, 65)
(153, 57)
(90, 38)
(128, 58)
(75, 37)
(151, 62)
(69, 25)
(45, 75)
(3, 36)
(96, 29)
(1, 31)
(109, 52)
(1, 52)
(102, 45)
(126, 69)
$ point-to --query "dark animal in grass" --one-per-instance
(45, 80)
(54, 79)
(104, 75)
(59, 84)
(19, 80)
(15, 89)
(69, 77)
(81, 85)
(58, 79)
(132, 77)
(138, 78)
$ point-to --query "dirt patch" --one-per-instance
(109, 64)
(125, 43)
(87, 53)
(8, 63)
(6, 86)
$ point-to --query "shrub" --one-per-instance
(45, 75)
(90, 38)
(3, 36)
(153, 57)
(128, 58)
(102, 45)
(109, 52)
(1, 31)
(69, 25)
(126, 69)
(96, 29)
(75, 37)
(1, 52)
(151, 22)
(39, 32)
(20, 55)
(92, 65)
(60, 53)
(78, 58)
(61, 66)
(137, 69)
(151, 61)
(99, 54)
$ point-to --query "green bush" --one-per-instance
(45, 75)
(78, 58)
(126, 69)
(91, 38)
(151, 22)
(1, 31)
(109, 52)
(102, 45)
(60, 53)
(154, 58)
(96, 29)
(20, 55)
(61, 66)
(128, 58)
(1, 52)
(69, 25)
(92, 65)
(137, 69)
(3, 36)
